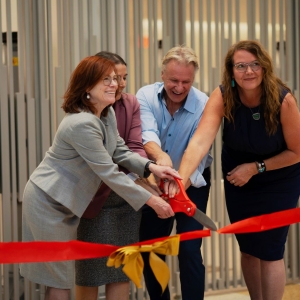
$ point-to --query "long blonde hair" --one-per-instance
(271, 85)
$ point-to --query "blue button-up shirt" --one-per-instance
(172, 133)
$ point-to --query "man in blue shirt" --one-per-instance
(170, 112)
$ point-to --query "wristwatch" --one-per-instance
(147, 171)
(261, 167)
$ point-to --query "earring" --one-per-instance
(88, 96)
(232, 83)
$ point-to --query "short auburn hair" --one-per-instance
(86, 75)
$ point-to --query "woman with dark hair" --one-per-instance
(260, 158)
(85, 152)
(120, 221)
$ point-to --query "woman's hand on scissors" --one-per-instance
(164, 171)
(171, 188)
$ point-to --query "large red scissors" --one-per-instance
(182, 203)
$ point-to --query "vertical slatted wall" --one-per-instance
(54, 35)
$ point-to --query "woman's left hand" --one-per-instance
(241, 174)
(164, 171)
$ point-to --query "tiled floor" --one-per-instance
(291, 292)
(233, 296)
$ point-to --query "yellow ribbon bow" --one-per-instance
(131, 258)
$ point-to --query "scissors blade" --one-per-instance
(204, 220)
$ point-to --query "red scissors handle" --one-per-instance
(181, 202)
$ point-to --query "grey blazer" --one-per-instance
(86, 151)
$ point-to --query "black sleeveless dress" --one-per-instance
(245, 141)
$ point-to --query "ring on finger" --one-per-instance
(232, 181)
(166, 180)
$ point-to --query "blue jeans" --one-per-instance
(192, 270)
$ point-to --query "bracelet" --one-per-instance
(147, 171)
(261, 166)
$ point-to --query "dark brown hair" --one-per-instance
(117, 59)
(87, 74)
(271, 85)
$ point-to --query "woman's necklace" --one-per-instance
(255, 116)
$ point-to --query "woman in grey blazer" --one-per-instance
(120, 221)
(86, 151)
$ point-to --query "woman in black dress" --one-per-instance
(260, 158)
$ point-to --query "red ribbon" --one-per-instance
(24, 252)
(264, 222)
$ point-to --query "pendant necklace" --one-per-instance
(255, 116)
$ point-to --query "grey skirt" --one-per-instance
(117, 224)
(44, 219)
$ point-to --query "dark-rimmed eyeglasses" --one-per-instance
(242, 67)
(107, 80)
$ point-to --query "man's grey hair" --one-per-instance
(181, 54)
